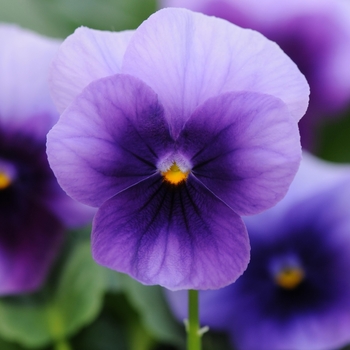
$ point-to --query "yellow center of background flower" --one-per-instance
(290, 277)
(5, 181)
(174, 175)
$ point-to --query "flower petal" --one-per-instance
(180, 237)
(85, 56)
(28, 246)
(108, 139)
(25, 103)
(245, 148)
(186, 58)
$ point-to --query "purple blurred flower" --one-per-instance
(174, 137)
(295, 293)
(33, 209)
(314, 33)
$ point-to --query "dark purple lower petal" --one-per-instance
(181, 237)
(28, 245)
(244, 147)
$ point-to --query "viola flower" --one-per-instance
(314, 33)
(34, 211)
(173, 138)
(295, 293)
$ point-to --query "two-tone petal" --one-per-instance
(108, 139)
(244, 147)
(179, 237)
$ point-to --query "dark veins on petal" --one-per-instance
(168, 206)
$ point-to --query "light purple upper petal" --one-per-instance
(85, 56)
(108, 139)
(244, 147)
(180, 238)
(25, 103)
(315, 34)
(186, 58)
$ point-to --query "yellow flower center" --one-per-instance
(5, 181)
(174, 175)
(289, 277)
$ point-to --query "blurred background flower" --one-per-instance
(34, 210)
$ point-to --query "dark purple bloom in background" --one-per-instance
(174, 138)
(295, 293)
(314, 33)
(34, 211)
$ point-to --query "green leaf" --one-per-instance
(79, 294)
(27, 14)
(150, 303)
(59, 18)
(4, 345)
(105, 333)
(114, 281)
(56, 313)
(103, 14)
(24, 320)
(334, 140)
(213, 340)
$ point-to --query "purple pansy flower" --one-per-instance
(33, 208)
(175, 130)
(295, 293)
(314, 33)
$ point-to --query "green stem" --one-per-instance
(193, 333)
(62, 345)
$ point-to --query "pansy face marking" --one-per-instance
(7, 175)
(175, 175)
(287, 271)
(5, 181)
(289, 277)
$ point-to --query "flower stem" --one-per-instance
(193, 332)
